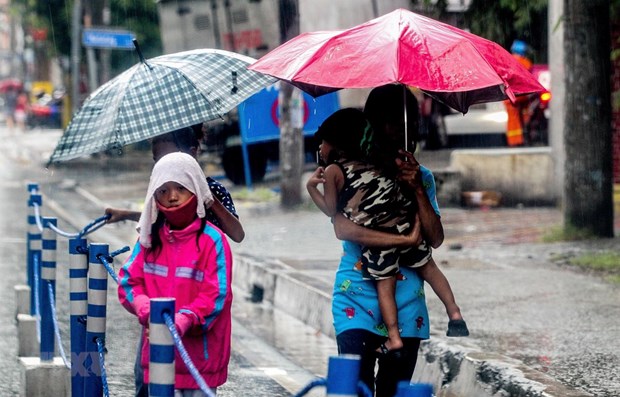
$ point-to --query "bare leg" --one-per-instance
(389, 311)
(9, 122)
(436, 279)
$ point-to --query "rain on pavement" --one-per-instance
(558, 321)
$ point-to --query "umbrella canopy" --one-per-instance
(10, 83)
(157, 96)
(456, 67)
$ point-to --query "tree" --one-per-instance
(588, 201)
(503, 21)
(55, 16)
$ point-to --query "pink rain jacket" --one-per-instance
(199, 277)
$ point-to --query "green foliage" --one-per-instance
(603, 263)
(260, 194)
(432, 8)
(606, 264)
(566, 233)
(503, 21)
(139, 16)
(615, 10)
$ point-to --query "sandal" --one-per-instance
(457, 328)
(384, 351)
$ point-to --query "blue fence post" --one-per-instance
(406, 389)
(33, 241)
(96, 318)
(78, 302)
(343, 374)
(48, 276)
(161, 349)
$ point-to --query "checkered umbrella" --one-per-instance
(157, 96)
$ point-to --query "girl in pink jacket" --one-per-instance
(179, 254)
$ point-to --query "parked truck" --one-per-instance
(250, 135)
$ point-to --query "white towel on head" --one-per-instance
(174, 167)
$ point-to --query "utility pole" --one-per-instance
(91, 59)
(105, 53)
(587, 133)
(75, 54)
(558, 89)
(291, 119)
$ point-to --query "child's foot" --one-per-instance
(457, 328)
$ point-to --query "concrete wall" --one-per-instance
(522, 176)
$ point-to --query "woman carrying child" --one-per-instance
(180, 254)
(357, 325)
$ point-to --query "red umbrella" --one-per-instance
(454, 66)
(7, 84)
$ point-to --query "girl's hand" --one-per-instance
(415, 235)
(316, 178)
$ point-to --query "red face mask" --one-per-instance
(180, 217)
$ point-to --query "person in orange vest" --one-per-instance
(515, 122)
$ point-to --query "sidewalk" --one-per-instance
(536, 328)
(533, 323)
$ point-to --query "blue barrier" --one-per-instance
(161, 349)
(343, 375)
(406, 389)
(96, 318)
(33, 241)
(342, 378)
(343, 381)
(78, 302)
(87, 306)
(48, 276)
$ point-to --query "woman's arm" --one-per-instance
(228, 222)
(346, 229)
(223, 209)
(118, 215)
(411, 178)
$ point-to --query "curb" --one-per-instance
(453, 370)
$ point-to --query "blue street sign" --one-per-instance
(101, 38)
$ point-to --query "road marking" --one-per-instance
(12, 240)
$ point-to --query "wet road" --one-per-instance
(517, 301)
(255, 365)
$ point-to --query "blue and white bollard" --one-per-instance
(96, 318)
(161, 349)
(343, 374)
(406, 389)
(48, 277)
(33, 241)
(78, 303)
